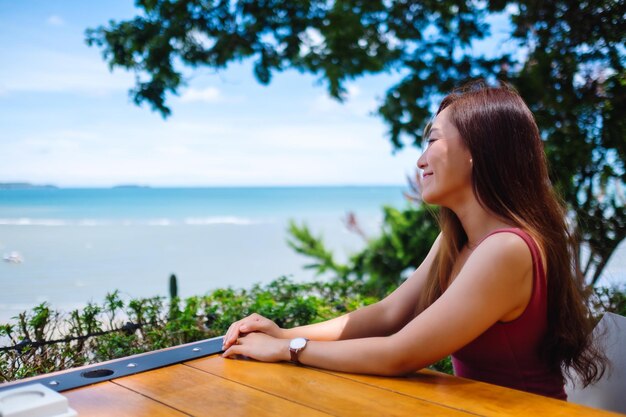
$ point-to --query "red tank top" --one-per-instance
(507, 353)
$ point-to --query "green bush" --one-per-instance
(385, 262)
(147, 324)
(152, 323)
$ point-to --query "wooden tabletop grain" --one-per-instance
(213, 386)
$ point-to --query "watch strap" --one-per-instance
(294, 355)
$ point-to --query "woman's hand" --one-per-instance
(253, 323)
(261, 347)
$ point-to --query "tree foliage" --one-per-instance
(337, 40)
(386, 261)
(569, 68)
(574, 81)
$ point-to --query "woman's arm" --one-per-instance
(496, 280)
(380, 319)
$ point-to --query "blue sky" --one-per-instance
(65, 119)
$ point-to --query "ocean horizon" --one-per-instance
(77, 244)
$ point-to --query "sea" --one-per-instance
(68, 246)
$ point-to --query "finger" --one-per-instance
(232, 351)
(251, 326)
(231, 334)
(241, 326)
(234, 331)
(231, 341)
(251, 323)
(226, 337)
(225, 344)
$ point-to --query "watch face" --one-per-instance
(297, 343)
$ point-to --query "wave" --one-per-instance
(189, 221)
(195, 221)
(33, 222)
(158, 222)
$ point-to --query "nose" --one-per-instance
(421, 161)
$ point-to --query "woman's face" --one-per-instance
(446, 165)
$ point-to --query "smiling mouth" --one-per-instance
(426, 174)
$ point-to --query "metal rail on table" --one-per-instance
(128, 365)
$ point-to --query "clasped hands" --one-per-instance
(258, 338)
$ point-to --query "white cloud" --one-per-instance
(170, 150)
(299, 138)
(46, 71)
(206, 95)
(55, 20)
(59, 142)
(353, 91)
(207, 153)
(355, 103)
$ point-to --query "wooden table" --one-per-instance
(213, 386)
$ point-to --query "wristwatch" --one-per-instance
(296, 346)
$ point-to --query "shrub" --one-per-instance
(48, 340)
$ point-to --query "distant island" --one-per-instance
(23, 186)
(29, 186)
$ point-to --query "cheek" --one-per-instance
(463, 174)
(461, 161)
(463, 165)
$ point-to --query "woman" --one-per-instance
(497, 289)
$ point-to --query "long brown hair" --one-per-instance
(510, 179)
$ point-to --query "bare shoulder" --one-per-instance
(499, 272)
(506, 254)
(504, 247)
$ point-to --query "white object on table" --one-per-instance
(34, 400)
